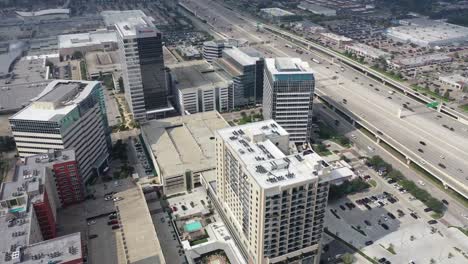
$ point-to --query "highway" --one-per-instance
(367, 100)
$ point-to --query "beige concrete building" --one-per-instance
(182, 148)
(272, 201)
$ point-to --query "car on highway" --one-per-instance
(427, 209)
(420, 150)
(382, 260)
(445, 202)
(422, 143)
(353, 136)
(368, 243)
(92, 236)
(442, 166)
(415, 216)
(432, 222)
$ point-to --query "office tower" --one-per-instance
(245, 67)
(288, 89)
(273, 201)
(213, 49)
(143, 72)
(64, 167)
(28, 220)
(66, 115)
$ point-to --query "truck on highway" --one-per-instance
(316, 61)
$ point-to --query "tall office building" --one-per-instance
(245, 66)
(288, 90)
(66, 115)
(143, 71)
(273, 201)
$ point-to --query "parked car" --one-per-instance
(384, 226)
(432, 222)
(112, 222)
(445, 202)
(427, 209)
(115, 227)
(111, 217)
(370, 242)
(92, 236)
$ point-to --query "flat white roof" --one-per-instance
(431, 31)
(240, 56)
(455, 79)
(58, 99)
(335, 37)
(267, 164)
(288, 66)
(86, 39)
(274, 11)
(57, 11)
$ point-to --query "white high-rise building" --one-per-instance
(66, 115)
(273, 202)
(288, 90)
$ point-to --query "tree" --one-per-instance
(447, 94)
(77, 55)
(121, 84)
(348, 258)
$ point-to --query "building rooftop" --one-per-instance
(102, 62)
(314, 8)
(455, 78)
(240, 56)
(58, 250)
(277, 12)
(53, 156)
(130, 23)
(141, 241)
(289, 68)
(368, 50)
(427, 31)
(258, 146)
(58, 99)
(112, 17)
(184, 142)
(86, 39)
(422, 59)
(44, 12)
(335, 37)
(197, 74)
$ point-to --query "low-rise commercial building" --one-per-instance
(104, 40)
(335, 39)
(45, 14)
(455, 81)
(425, 32)
(366, 51)
(316, 9)
(278, 15)
(100, 63)
(420, 61)
(198, 87)
(67, 114)
(189, 52)
(182, 148)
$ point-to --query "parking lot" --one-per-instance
(394, 231)
(91, 218)
(171, 248)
